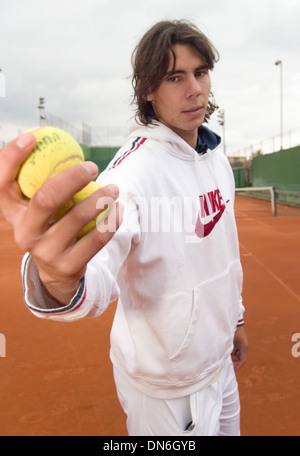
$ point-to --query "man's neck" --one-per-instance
(191, 137)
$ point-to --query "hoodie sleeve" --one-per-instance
(98, 288)
(241, 313)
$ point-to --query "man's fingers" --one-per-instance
(68, 265)
(13, 155)
(50, 197)
(69, 226)
(12, 203)
(94, 241)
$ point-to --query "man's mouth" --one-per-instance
(195, 110)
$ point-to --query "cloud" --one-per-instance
(76, 54)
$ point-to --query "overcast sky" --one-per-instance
(76, 54)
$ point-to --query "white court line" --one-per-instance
(282, 283)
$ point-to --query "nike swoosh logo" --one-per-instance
(204, 229)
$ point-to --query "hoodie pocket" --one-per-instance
(209, 338)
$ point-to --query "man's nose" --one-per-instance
(193, 87)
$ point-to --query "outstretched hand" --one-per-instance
(60, 257)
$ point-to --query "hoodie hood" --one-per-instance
(207, 139)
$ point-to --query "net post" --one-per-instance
(273, 201)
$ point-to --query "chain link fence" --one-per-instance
(289, 139)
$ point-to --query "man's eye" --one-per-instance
(200, 74)
(173, 79)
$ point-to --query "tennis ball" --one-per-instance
(55, 151)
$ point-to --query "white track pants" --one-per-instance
(210, 412)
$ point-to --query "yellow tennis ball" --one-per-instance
(55, 151)
(90, 188)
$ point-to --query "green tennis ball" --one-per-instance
(55, 151)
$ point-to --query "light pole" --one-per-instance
(221, 120)
(41, 108)
(2, 84)
(279, 63)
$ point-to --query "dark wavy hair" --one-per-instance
(151, 58)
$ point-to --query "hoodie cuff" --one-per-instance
(241, 321)
(34, 294)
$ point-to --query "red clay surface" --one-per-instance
(56, 378)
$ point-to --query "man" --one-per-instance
(173, 263)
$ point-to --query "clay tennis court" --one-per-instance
(56, 378)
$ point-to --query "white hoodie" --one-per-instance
(174, 265)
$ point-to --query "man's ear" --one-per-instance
(149, 97)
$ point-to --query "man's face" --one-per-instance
(181, 100)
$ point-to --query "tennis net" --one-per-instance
(264, 193)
